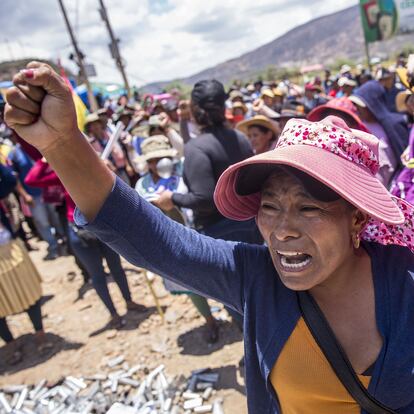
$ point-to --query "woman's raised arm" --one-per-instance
(41, 110)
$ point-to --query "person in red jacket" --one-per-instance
(88, 249)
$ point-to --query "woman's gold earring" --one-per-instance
(356, 241)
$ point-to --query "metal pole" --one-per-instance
(367, 54)
(116, 54)
(79, 56)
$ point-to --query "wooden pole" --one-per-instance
(154, 295)
(116, 54)
(367, 54)
(79, 56)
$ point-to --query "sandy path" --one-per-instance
(82, 346)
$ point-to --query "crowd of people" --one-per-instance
(261, 191)
(172, 151)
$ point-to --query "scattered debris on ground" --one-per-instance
(82, 345)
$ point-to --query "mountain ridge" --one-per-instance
(316, 41)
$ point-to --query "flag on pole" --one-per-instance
(81, 110)
(383, 19)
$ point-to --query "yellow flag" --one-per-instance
(81, 110)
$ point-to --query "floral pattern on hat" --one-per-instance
(330, 137)
(399, 234)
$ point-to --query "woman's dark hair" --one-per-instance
(209, 116)
(208, 99)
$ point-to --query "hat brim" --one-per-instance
(401, 99)
(242, 107)
(357, 101)
(352, 182)
(403, 75)
(292, 115)
(317, 114)
(244, 126)
(167, 153)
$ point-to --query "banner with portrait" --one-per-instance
(382, 19)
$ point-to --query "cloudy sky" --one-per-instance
(160, 39)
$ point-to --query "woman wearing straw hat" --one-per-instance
(332, 231)
(261, 131)
(238, 112)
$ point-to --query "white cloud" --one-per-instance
(160, 39)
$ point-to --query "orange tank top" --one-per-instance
(305, 382)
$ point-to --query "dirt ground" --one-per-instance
(76, 325)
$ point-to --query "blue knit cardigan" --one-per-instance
(243, 277)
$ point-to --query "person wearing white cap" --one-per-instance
(347, 86)
(345, 70)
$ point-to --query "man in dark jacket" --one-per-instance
(206, 157)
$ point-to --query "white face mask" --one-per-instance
(165, 167)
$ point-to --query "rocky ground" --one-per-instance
(76, 324)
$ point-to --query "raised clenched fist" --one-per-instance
(40, 107)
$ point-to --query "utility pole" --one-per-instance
(367, 54)
(80, 57)
(113, 46)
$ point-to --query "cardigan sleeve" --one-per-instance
(143, 235)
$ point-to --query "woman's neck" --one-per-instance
(346, 279)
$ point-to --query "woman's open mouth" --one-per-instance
(294, 261)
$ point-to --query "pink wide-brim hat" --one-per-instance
(343, 159)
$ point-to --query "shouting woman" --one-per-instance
(331, 228)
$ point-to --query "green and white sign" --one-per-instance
(382, 19)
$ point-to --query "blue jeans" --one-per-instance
(45, 217)
(91, 254)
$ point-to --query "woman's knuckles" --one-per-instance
(35, 93)
(12, 95)
(15, 116)
(53, 84)
(16, 97)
